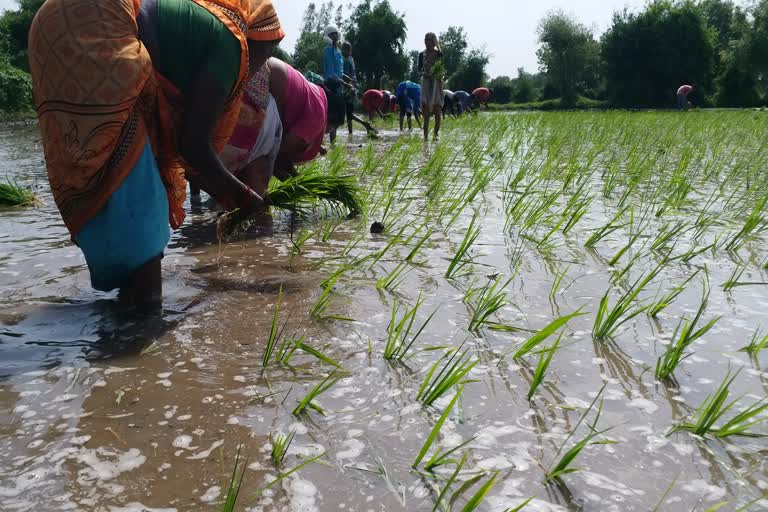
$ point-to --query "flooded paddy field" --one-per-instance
(547, 285)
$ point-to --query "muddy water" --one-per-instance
(104, 411)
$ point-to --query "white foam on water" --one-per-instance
(138, 507)
(354, 448)
(703, 489)
(205, 454)
(302, 494)
(605, 483)
(211, 494)
(183, 442)
(100, 468)
(643, 404)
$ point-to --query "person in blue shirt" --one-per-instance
(333, 62)
(462, 101)
(408, 96)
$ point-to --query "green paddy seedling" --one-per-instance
(322, 387)
(486, 301)
(274, 332)
(462, 257)
(757, 343)
(280, 445)
(545, 358)
(399, 338)
(11, 194)
(686, 333)
(563, 466)
(610, 318)
(713, 410)
(235, 482)
(451, 374)
(532, 343)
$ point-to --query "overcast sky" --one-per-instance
(506, 28)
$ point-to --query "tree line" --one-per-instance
(638, 62)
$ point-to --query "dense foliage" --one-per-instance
(640, 60)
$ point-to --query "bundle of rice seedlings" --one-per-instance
(300, 194)
(11, 194)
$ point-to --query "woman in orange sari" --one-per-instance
(131, 95)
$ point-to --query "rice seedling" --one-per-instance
(665, 301)
(520, 506)
(290, 346)
(274, 332)
(462, 258)
(299, 194)
(11, 194)
(669, 233)
(609, 319)
(557, 283)
(632, 239)
(610, 227)
(486, 301)
(541, 368)
(436, 430)
(452, 373)
(280, 445)
(320, 306)
(563, 465)
(477, 499)
(398, 343)
(283, 476)
(392, 280)
(754, 224)
(714, 408)
(734, 281)
(757, 343)
(235, 483)
(327, 383)
(441, 503)
(539, 337)
(685, 335)
(297, 243)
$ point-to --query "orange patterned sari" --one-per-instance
(98, 100)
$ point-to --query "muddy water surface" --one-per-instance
(104, 411)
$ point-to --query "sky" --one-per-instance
(505, 28)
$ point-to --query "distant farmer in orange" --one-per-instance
(481, 95)
(376, 102)
(130, 95)
(682, 96)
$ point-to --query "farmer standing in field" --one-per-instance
(431, 69)
(682, 96)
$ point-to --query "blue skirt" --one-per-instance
(132, 228)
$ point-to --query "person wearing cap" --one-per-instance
(150, 93)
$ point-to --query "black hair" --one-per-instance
(337, 108)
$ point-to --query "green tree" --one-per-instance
(567, 52)
(308, 55)
(503, 89)
(453, 44)
(648, 55)
(377, 33)
(413, 74)
(14, 31)
(526, 90)
(471, 74)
